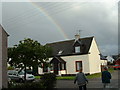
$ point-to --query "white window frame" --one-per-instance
(77, 49)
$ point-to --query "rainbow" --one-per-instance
(43, 11)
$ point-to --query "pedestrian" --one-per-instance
(106, 76)
(81, 80)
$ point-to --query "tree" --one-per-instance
(28, 53)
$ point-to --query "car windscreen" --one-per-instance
(21, 73)
(12, 72)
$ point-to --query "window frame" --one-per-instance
(77, 48)
(62, 66)
(76, 65)
(45, 69)
(52, 67)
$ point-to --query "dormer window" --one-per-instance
(77, 49)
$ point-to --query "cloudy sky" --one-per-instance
(50, 22)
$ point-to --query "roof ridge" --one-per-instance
(69, 40)
(61, 41)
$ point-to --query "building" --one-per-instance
(110, 59)
(117, 61)
(3, 58)
(104, 60)
(71, 55)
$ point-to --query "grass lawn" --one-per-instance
(97, 75)
(37, 77)
(65, 77)
(73, 77)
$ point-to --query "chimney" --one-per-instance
(77, 37)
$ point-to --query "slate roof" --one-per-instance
(67, 47)
(58, 60)
(103, 57)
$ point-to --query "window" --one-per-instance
(77, 49)
(78, 65)
(52, 67)
(45, 68)
(62, 66)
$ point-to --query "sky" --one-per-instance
(49, 22)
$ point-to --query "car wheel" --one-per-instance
(114, 68)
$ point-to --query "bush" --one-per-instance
(25, 85)
(48, 80)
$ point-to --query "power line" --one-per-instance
(37, 13)
(54, 11)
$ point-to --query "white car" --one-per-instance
(29, 77)
(19, 76)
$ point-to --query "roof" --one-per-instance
(67, 47)
(58, 60)
(103, 57)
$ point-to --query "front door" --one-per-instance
(56, 68)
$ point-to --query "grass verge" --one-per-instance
(37, 77)
(96, 75)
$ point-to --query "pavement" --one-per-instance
(95, 83)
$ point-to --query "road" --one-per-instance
(93, 83)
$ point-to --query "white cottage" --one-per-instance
(103, 60)
(69, 56)
(110, 59)
(3, 58)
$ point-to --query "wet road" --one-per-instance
(93, 83)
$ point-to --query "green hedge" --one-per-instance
(26, 85)
(48, 80)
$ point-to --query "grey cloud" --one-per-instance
(94, 19)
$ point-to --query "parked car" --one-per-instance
(19, 76)
(116, 66)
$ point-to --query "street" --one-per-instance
(93, 83)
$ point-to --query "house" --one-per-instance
(71, 55)
(110, 59)
(117, 61)
(3, 58)
(104, 60)
(115, 57)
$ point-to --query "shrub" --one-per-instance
(48, 80)
(26, 85)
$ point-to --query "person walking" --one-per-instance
(81, 80)
(106, 76)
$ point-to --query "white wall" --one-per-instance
(71, 65)
(103, 62)
(94, 58)
(3, 58)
